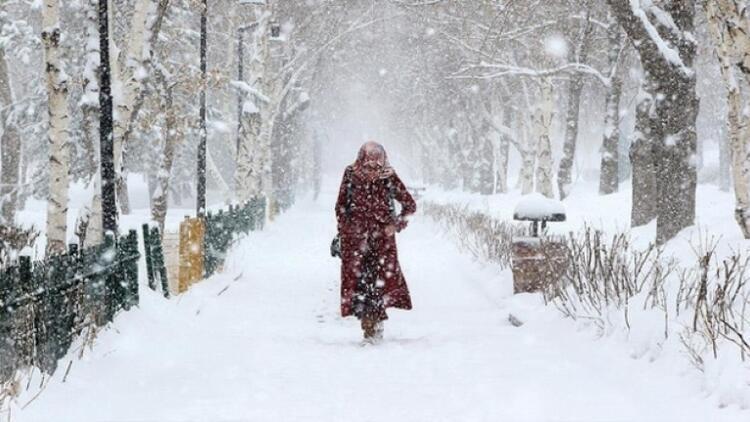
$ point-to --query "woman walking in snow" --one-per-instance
(371, 278)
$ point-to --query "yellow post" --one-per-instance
(191, 252)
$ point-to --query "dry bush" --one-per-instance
(718, 294)
(608, 273)
(485, 237)
(13, 240)
(607, 276)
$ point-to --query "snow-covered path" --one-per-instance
(264, 342)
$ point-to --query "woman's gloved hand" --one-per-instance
(396, 227)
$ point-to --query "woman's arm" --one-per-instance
(402, 195)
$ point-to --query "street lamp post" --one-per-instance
(106, 150)
(201, 198)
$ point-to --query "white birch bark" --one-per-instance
(90, 107)
(733, 46)
(251, 153)
(528, 158)
(59, 119)
(543, 124)
(131, 77)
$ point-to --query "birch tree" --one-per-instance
(249, 173)
(59, 120)
(729, 23)
(89, 103)
(579, 54)
(10, 147)
(543, 124)
(609, 169)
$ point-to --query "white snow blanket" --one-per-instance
(264, 342)
(536, 206)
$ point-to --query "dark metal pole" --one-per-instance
(107, 161)
(201, 200)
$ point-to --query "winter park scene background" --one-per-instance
(173, 172)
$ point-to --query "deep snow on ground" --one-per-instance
(264, 342)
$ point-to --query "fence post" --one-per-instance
(79, 280)
(112, 296)
(160, 269)
(129, 263)
(23, 337)
(209, 242)
(148, 250)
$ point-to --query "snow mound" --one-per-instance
(536, 206)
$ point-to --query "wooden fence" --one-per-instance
(45, 304)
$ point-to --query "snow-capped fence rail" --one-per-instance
(224, 226)
(45, 305)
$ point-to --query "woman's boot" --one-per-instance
(368, 328)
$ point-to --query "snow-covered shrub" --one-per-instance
(607, 273)
(696, 309)
(485, 237)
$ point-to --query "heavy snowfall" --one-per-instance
(200, 202)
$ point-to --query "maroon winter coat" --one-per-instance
(363, 235)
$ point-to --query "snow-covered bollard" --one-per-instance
(537, 259)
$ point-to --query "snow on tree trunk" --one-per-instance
(662, 35)
(575, 86)
(609, 171)
(145, 27)
(89, 104)
(130, 77)
(733, 46)
(543, 124)
(10, 148)
(528, 158)
(643, 162)
(503, 154)
(172, 136)
(250, 159)
(59, 119)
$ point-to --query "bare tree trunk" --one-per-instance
(609, 171)
(544, 148)
(675, 114)
(643, 164)
(131, 81)
(733, 47)
(57, 90)
(10, 149)
(93, 234)
(575, 86)
(172, 136)
(144, 31)
(504, 154)
(528, 158)
(250, 155)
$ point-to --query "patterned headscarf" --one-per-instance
(372, 162)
